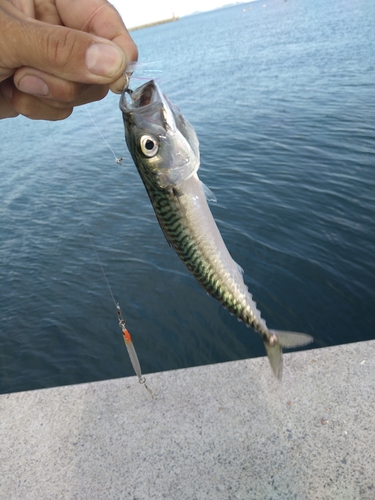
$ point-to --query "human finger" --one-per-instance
(25, 6)
(55, 91)
(27, 105)
(6, 109)
(65, 52)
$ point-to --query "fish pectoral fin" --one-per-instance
(208, 193)
(279, 339)
(239, 268)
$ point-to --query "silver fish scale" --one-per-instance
(201, 262)
(168, 170)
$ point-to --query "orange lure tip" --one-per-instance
(126, 335)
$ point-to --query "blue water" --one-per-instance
(282, 97)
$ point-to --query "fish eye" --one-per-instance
(149, 145)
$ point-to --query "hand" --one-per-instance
(57, 54)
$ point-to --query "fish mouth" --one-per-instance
(148, 100)
(145, 95)
(147, 111)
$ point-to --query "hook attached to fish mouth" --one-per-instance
(128, 73)
(124, 103)
(127, 76)
(126, 90)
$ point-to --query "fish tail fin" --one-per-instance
(275, 342)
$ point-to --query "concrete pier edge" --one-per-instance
(225, 431)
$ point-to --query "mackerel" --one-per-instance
(165, 150)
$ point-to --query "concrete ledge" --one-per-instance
(226, 431)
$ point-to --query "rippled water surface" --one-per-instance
(282, 97)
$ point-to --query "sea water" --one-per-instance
(282, 97)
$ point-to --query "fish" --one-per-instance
(165, 151)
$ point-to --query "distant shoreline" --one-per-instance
(163, 21)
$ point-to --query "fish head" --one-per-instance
(162, 142)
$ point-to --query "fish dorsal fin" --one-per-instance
(208, 193)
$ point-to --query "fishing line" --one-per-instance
(131, 67)
(72, 190)
(126, 335)
(117, 160)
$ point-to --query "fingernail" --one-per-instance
(33, 85)
(104, 60)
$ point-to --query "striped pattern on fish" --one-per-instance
(189, 227)
(165, 150)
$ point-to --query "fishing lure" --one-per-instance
(131, 351)
(126, 335)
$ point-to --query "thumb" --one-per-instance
(64, 52)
